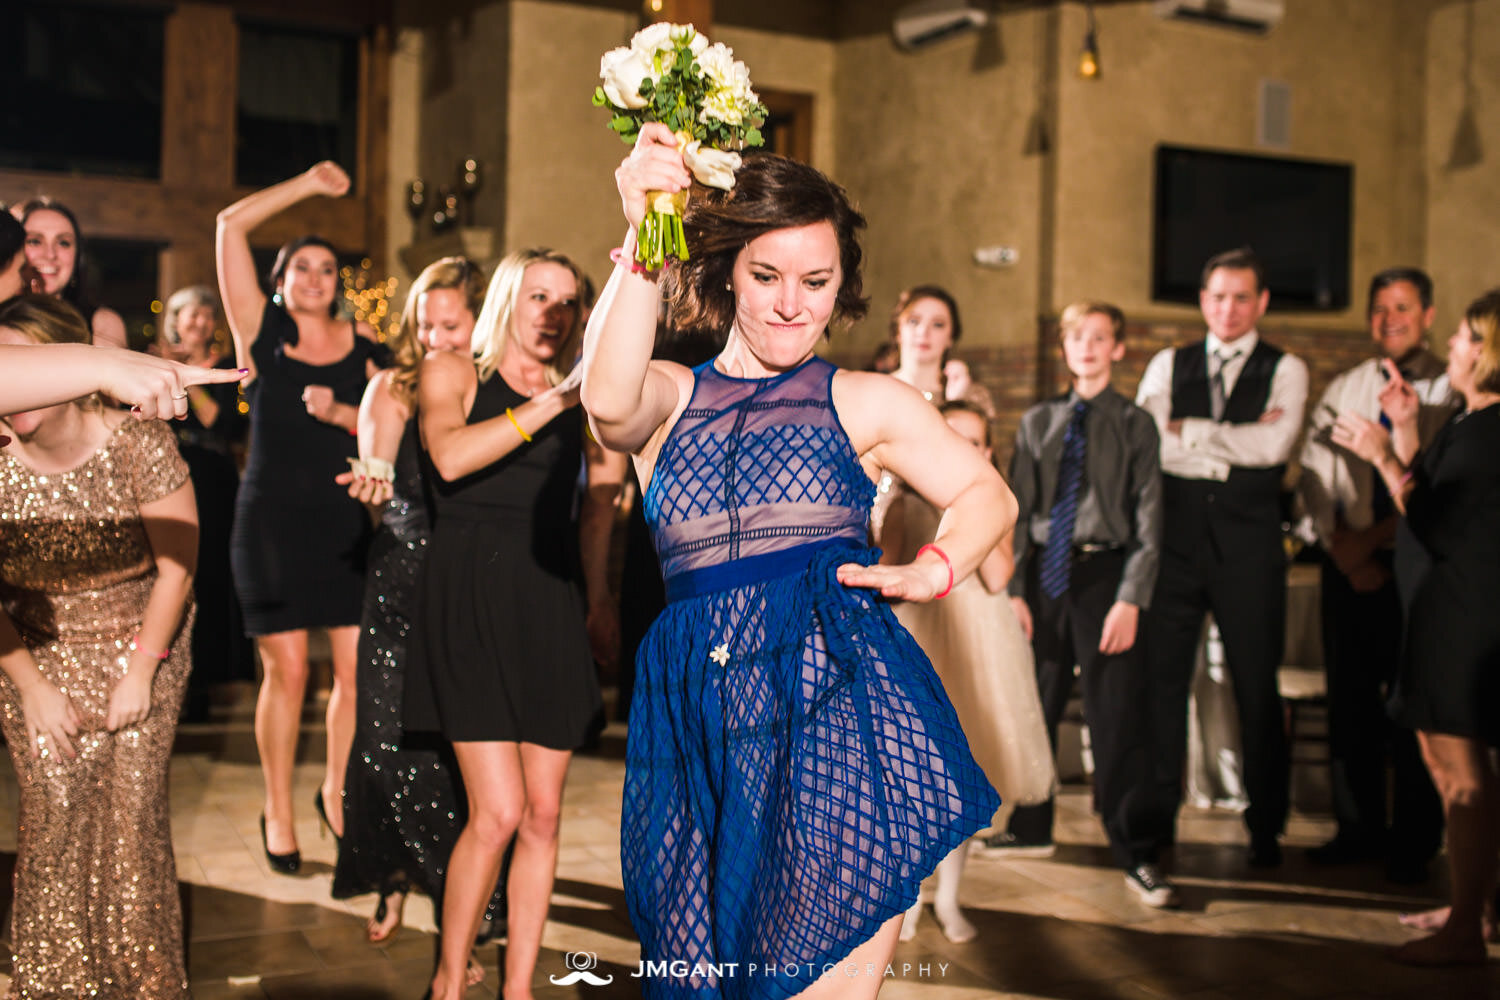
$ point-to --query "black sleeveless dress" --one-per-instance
(504, 649)
(404, 802)
(298, 548)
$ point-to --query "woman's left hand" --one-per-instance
(909, 582)
(1365, 438)
(130, 703)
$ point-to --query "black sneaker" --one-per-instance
(1007, 845)
(1153, 888)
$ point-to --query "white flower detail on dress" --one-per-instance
(720, 655)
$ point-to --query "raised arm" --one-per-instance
(890, 424)
(238, 285)
(629, 398)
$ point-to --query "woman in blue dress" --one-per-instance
(794, 769)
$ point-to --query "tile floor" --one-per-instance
(1065, 927)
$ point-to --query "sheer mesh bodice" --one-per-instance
(755, 466)
(794, 769)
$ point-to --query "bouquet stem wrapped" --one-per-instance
(669, 73)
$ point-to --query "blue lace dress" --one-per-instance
(794, 768)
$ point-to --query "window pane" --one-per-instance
(124, 278)
(82, 88)
(298, 102)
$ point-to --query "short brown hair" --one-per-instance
(1483, 317)
(1238, 259)
(770, 192)
(1074, 315)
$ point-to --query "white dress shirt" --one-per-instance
(1207, 449)
(1334, 480)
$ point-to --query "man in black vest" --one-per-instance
(1229, 408)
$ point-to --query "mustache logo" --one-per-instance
(582, 963)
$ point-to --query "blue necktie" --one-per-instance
(1057, 554)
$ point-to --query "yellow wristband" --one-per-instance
(517, 424)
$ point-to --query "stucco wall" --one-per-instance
(1463, 204)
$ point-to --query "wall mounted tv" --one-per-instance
(1295, 214)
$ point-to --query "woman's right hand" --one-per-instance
(154, 387)
(328, 178)
(371, 491)
(49, 713)
(655, 164)
(567, 391)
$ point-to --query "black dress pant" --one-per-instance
(1362, 649)
(1066, 632)
(1245, 589)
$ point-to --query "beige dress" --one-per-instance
(985, 662)
(96, 911)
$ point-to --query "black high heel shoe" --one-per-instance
(284, 864)
(323, 815)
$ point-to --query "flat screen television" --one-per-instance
(1295, 214)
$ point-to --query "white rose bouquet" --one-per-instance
(669, 73)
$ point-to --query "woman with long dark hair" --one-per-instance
(55, 250)
(299, 542)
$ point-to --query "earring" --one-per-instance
(728, 287)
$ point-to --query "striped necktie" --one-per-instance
(1216, 395)
(1057, 554)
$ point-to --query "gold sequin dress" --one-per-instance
(96, 911)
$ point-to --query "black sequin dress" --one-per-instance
(404, 804)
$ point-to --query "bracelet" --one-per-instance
(135, 647)
(946, 562)
(636, 267)
(517, 424)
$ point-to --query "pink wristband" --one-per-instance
(946, 562)
(135, 647)
(636, 267)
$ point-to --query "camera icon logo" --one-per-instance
(583, 964)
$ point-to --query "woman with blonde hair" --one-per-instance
(401, 800)
(1448, 572)
(510, 677)
(97, 548)
(210, 438)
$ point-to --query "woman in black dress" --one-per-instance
(510, 676)
(210, 439)
(402, 800)
(299, 542)
(1448, 568)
